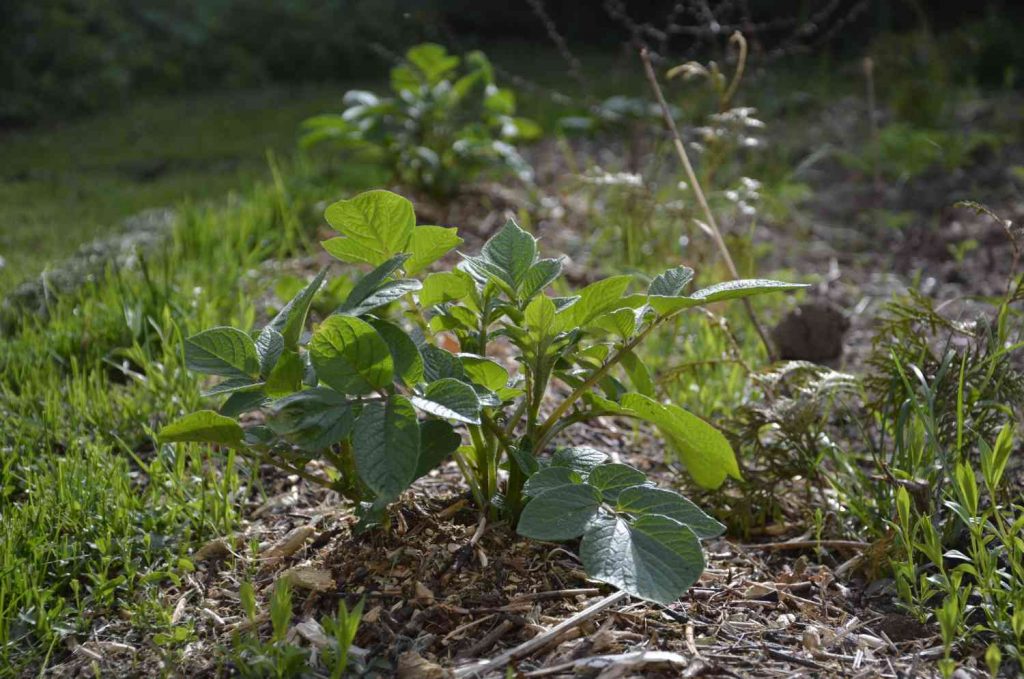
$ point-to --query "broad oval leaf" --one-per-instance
(204, 426)
(404, 352)
(222, 351)
(645, 500)
(484, 371)
(653, 558)
(612, 478)
(450, 399)
(437, 441)
(378, 226)
(429, 244)
(595, 299)
(445, 286)
(350, 357)
(578, 458)
(548, 478)
(386, 446)
(560, 513)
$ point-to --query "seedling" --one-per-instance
(380, 386)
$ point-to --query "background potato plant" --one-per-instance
(446, 123)
(374, 394)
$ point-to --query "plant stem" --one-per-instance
(716, 234)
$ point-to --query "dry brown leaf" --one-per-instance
(308, 577)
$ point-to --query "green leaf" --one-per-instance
(507, 257)
(386, 446)
(540, 316)
(539, 276)
(654, 558)
(450, 399)
(638, 374)
(269, 346)
(439, 364)
(702, 448)
(621, 322)
(484, 371)
(741, 288)
(642, 500)
(438, 440)
(560, 513)
(672, 282)
(232, 385)
(291, 319)
(404, 352)
(429, 244)
(445, 286)
(222, 351)
(312, 419)
(612, 478)
(377, 225)
(433, 61)
(578, 458)
(385, 294)
(548, 478)
(204, 426)
(371, 283)
(243, 402)
(350, 357)
(593, 301)
(286, 377)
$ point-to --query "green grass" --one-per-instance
(63, 186)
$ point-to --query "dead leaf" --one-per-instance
(308, 577)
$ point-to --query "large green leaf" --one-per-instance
(404, 352)
(350, 356)
(643, 500)
(613, 478)
(312, 419)
(653, 558)
(507, 257)
(222, 351)
(286, 377)
(539, 276)
(548, 478)
(561, 513)
(595, 299)
(581, 459)
(429, 244)
(438, 364)
(269, 347)
(445, 286)
(450, 399)
(204, 426)
(484, 371)
(386, 445)
(376, 226)
(370, 284)
(291, 319)
(703, 449)
(385, 294)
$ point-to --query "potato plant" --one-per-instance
(375, 392)
(444, 126)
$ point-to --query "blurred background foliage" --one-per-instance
(59, 58)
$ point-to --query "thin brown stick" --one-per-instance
(716, 234)
(526, 648)
(810, 544)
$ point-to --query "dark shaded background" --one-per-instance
(59, 58)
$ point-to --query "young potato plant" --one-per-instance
(375, 393)
(443, 127)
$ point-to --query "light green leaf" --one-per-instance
(594, 300)
(612, 478)
(638, 373)
(445, 286)
(350, 357)
(741, 288)
(654, 558)
(641, 500)
(540, 316)
(222, 351)
(312, 419)
(560, 513)
(484, 371)
(433, 61)
(404, 352)
(450, 399)
(703, 449)
(204, 426)
(386, 446)
(290, 321)
(539, 276)
(378, 225)
(429, 244)
(286, 377)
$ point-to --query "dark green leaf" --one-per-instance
(386, 445)
(560, 513)
(580, 458)
(612, 478)
(312, 419)
(290, 321)
(642, 500)
(450, 399)
(222, 351)
(672, 282)
(437, 441)
(548, 478)
(404, 352)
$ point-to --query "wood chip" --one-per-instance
(308, 577)
(286, 546)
